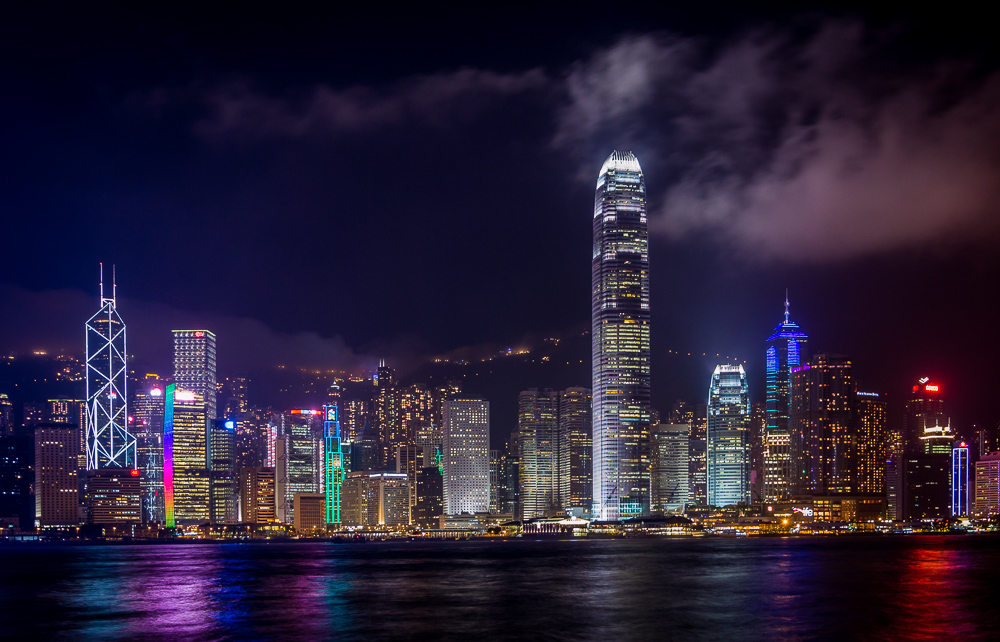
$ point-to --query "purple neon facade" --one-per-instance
(168, 457)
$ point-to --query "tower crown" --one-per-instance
(621, 161)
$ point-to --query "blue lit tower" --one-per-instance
(960, 480)
(785, 350)
(333, 464)
(620, 337)
(109, 442)
(728, 445)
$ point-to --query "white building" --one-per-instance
(466, 463)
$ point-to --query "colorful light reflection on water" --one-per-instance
(757, 589)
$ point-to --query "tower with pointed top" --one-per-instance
(785, 350)
(620, 341)
(109, 442)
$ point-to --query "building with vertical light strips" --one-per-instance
(194, 366)
(543, 488)
(620, 341)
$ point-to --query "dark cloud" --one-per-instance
(239, 109)
(795, 148)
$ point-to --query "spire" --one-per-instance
(786, 305)
(101, 280)
(114, 288)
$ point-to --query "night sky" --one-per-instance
(328, 189)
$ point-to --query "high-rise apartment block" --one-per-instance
(728, 449)
(466, 455)
(786, 348)
(620, 340)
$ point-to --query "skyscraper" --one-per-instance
(870, 440)
(960, 504)
(542, 487)
(728, 448)
(223, 504)
(147, 410)
(109, 442)
(824, 457)
(298, 459)
(186, 476)
(785, 350)
(388, 417)
(670, 459)
(333, 464)
(56, 487)
(620, 340)
(575, 424)
(466, 460)
(194, 366)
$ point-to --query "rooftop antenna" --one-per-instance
(114, 289)
(101, 280)
(786, 305)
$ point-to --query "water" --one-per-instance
(848, 588)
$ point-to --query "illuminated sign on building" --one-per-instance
(931, 388)
(304, 412)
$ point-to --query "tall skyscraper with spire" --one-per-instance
(620, 336)
(109, 442)
(785, 350)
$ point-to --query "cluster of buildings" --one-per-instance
(188, 450)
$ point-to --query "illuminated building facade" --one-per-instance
(871, 438)
(987, 501)
(698, 453)
(6, 416)
(147, 412)
(223, 501)
(728, 450)
(466, 455)
(669, 474)
(543, 486)
(786, 349)
(575, 424)
(257, 489)
(823, 455)
(310, 512)
(924, 409)
(376, 499)
(960, 504)
(388, 418)
(109, 442)
(113, 496)
(928, 477)
(333, 468)
(56, 486)
(620, 341)
(299, 459)
(194, 366)
(186, 474)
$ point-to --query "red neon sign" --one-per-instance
(931, 388)
(199, 334)
(134, 472)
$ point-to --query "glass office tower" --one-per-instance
(620, 336)
(785, 350)
(728, 447)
